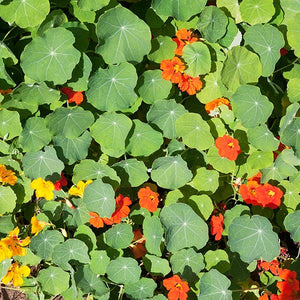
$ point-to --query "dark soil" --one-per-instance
(8, 294)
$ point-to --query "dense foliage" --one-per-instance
(150, 149)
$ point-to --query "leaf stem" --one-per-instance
(287, 65)
(8, 33)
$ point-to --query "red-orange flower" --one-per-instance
(183, 37)
(172, 69)
(228, 147)
(216, 223)
(95, 220)
(280, 148)
(5, 92)
(248, 192)
(273, 266)
(60, 183)
(269, 196)
(255, 177)
(177, 288)
(137, 245)
(289, 287)
(148, 199)
(190, 84)
(211, 106)
(73, 96)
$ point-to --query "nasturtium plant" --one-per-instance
(150, 149)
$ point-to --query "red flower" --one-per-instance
(190, 84)
(255, 177)
(95, 220)
(148, 199)
(283, 52)
(273, 266)
(172, 69)
(73, 96)
(183, 37)
(289, 287)
(177, 288)
(280, 148)
(248, 192)
(60, 183)
(216, 223)
(269, 196)
(228, 147)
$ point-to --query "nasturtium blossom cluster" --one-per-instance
(228, 147)
(78, 190)
(7, 176)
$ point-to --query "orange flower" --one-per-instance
(216, 223)
(5, 92)
(148, 199)
(177, 288)
(15, 273)
(273, 266)
(269, 196)
(95, 220)
(289, 287)
(137, 246)
(183, 37)
(211, 106)
(255, 177)
(37, 225)
(228, 147)
(60, 183)
(73, 96)
(7, 176)
(14, 244)
(172, 69)
(190, 84)
(248, 192)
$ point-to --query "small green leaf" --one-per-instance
(292, 225)
(293, 34)
(10, 124)
(156, 265)
(142, 289)
(92, 4)
(218, 260)
(231, 214)
(293, 90)
(163, 47)
(4, 266)
(202, 205)
(119, 236)
(291, 135)
(7, 200)
(99, 261)
(205, 180)
(260, 159)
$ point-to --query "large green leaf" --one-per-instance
(183, 227)
(153, 87)
(212, 23)
(10, 125)
(124, 270)
(236, 71)
(42, 163)
(112, 89)
(142, 289)
(28, 13)
(35, 135)
(195, 132)
(293, 34)
(197, 57)
(7, 200)
(292, 225)
(214, 285)
(53, 280)
(205, 180)
(100, 198)
(164, 113)
(92, 4)
(250, 106)
(110, 131)
(123, 36)
(119, 236)
(69, 122)
(266, 40)
(257, 11)
(170, 172)
(253, 238)
(179, 9)
(51, 57)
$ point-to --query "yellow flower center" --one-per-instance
(231, 145)
(271, 193)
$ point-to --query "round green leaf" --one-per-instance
(153, 233)
(124, 270)
(112, 89)
(53, 280)
(179, 9)
(132, 172)
(7, 200)
(10, 125)
(235, 70)
(293, 90)
(183, 227)
(292, 225)
(142, 289)
(170, 172)
(69, 122)
(44, 243)
(99, 261)
(291, 135)
(153, 87)
(35, 135)
(231, 33)
(205, 180)
(51, 57)
(123, 36)
(71, 249)
(119, 236)
(260, 159)
(212, 23)
(232, 6)
(28, 13)
(197, 57)
(262, 138)
(42, 163)
(291, 196)
(100, 198)
(257, 11)
(164, 113)
(231, 214)
(143, 140)
(156, 265)
(86, 234)
(202, 205)
(253, 238)
(110, 131)
(163, 47)
(250, 106)
(195, 132)
(218, 260)
(92, 4)
(293, 34)
(214, 285)
(266, 40)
